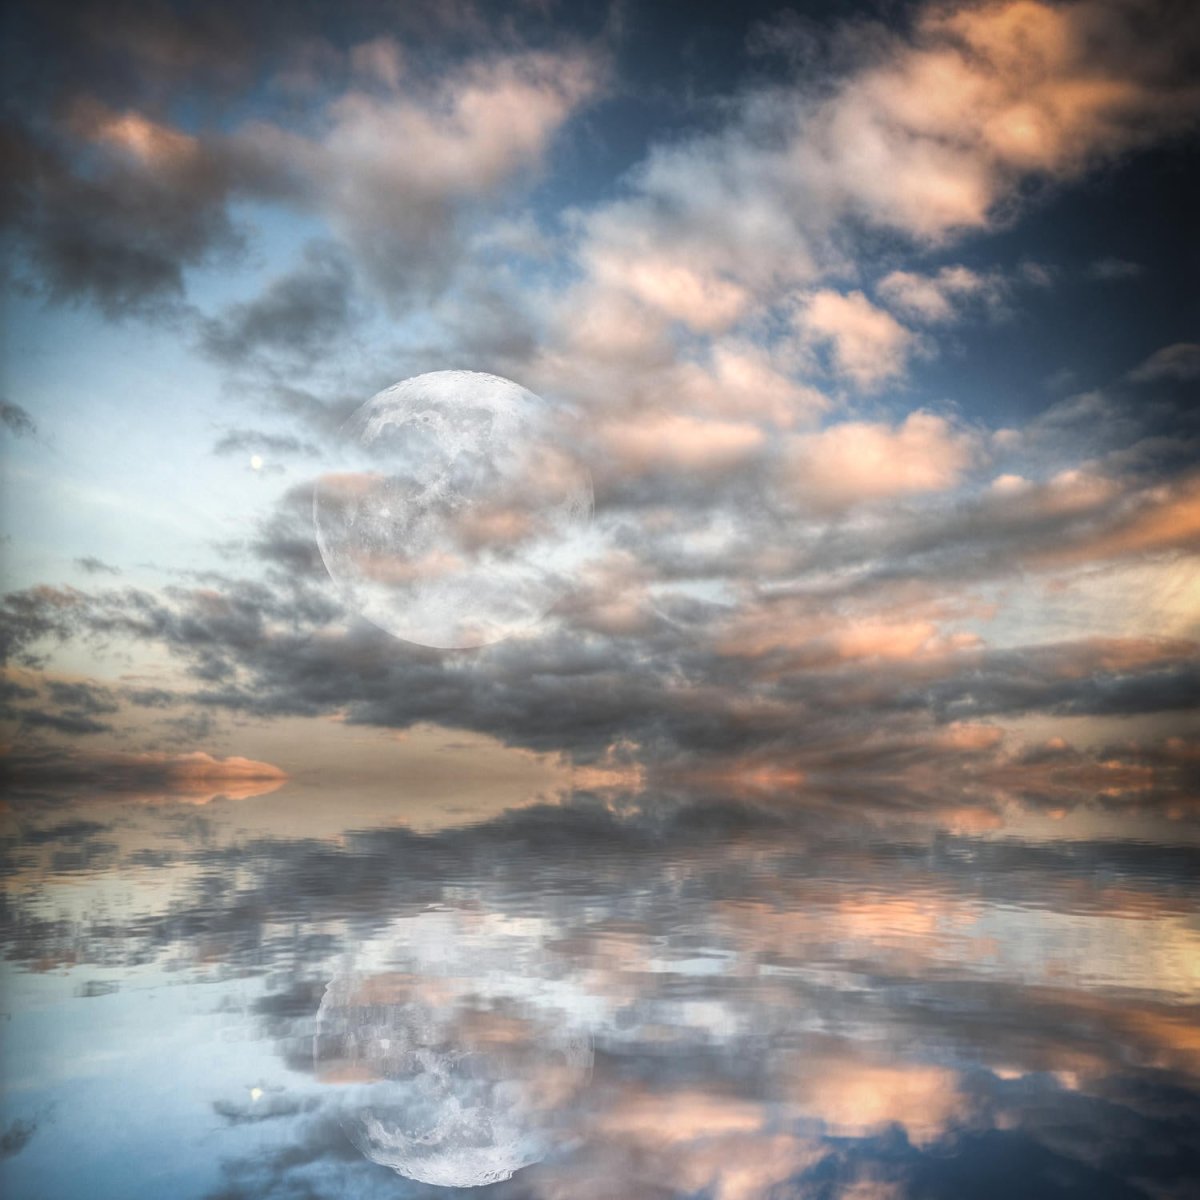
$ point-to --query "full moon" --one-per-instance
(452, 1047)
(457, 516)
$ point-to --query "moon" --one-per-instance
(457, 515)
(455, 1056)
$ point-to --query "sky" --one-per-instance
(878, 325)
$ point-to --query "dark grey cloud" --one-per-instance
(69, 722)
(1108, 269)
(16, 1137)
(300, 316)
(580, 695)
(118, 234)
(245, 441)
(16, 420)
(81, 697)
(151, 697)
(1071, 680)
(11, 690)
(135, 52)
(68, 847)
(149, 53)
(74, 707)
(96, 566)
(1095, 515)
(284, 542)
(191, 728)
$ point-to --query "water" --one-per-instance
(779, 994)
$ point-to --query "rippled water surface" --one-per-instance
(853, 996)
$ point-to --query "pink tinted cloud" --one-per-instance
(858, 461)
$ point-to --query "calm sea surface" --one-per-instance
(779, 994)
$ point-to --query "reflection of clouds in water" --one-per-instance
(462, 1038)
(774, 992)
(459, 1064)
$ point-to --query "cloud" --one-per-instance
(855, 1097)
(680, 442)
(1094, 676)
(939, 298)
(937, 133)
(400, 169)
(681, 685)
(16, 420)
(120, 232)
(811, 640)
(958, 974)
(76, 705)
(816, 600)
(96, 566)
(268, 1108)
(1076, 517)
(861, 460)
(927, 134)
(706, 302)
(867, 345)
(147, 778)
(70, 722)
(300, 315)
(744, 380)
(395, 170)
(1180, 361)
(759, 580)
(84, 697)
(16, 1136)
(1156, 518)
(243, 441)
(1112, 269)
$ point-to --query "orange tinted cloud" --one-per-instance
(676, 289)
(856, 1097)
(868, 346)
(817, 640)
(1167, 517)
(198, 777)
(861, 460)
(930, 138)
(148, 142)
(677, 440)
(153, 777)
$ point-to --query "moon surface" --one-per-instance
(457, 515)
(454, 1061)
